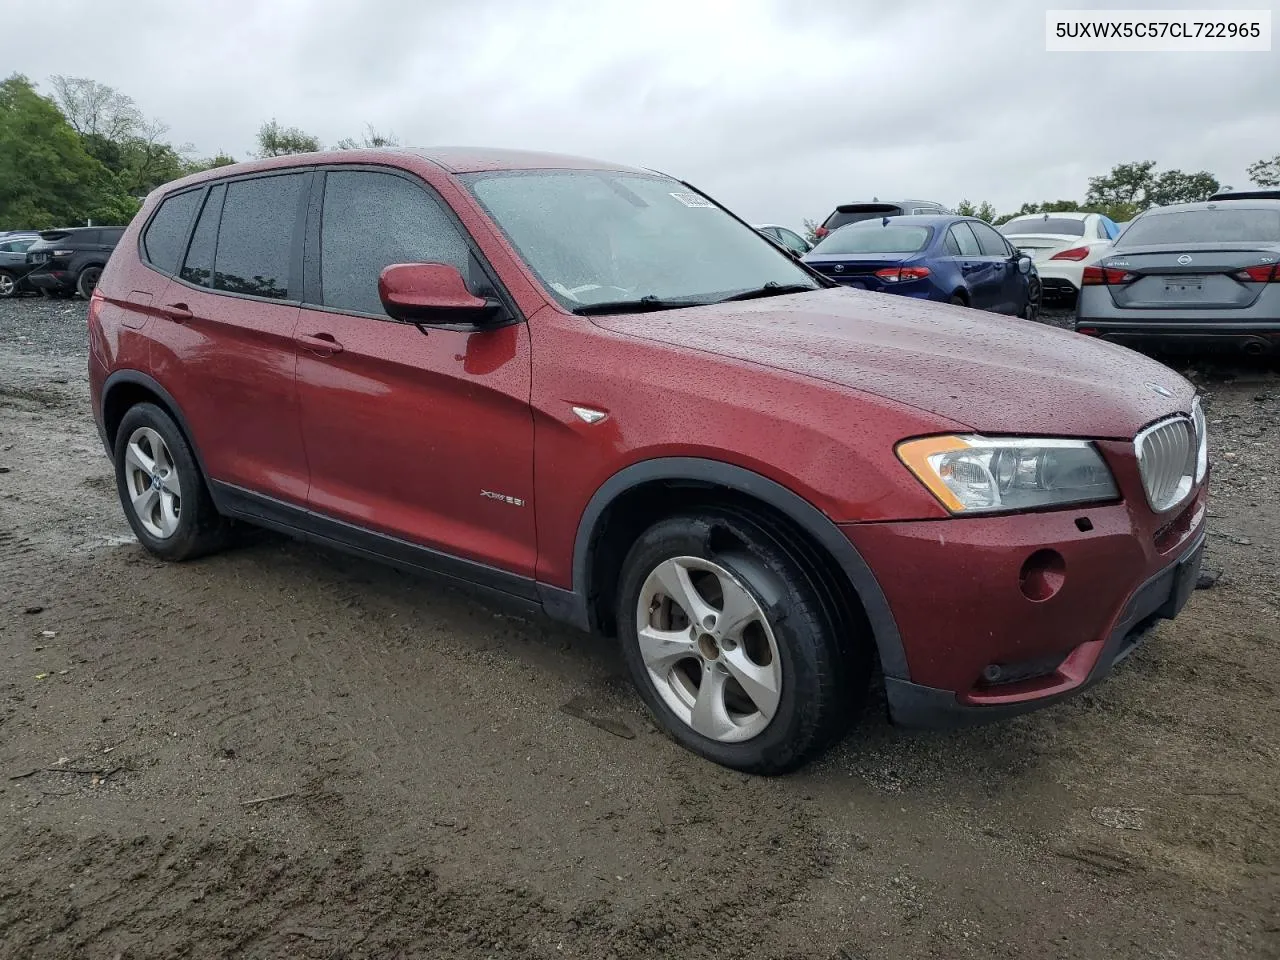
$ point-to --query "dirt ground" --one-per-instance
(280, 752)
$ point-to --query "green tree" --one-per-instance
(47, 178)
(371, 139)
(811, 230)
(1131, 188)
(276, 141)
(1265, 173)
(965, 209)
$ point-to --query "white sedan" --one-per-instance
(1061, 244)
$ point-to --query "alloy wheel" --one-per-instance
(709, 649)
(152, 482)
(8, 285)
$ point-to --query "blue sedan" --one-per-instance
(951, 259)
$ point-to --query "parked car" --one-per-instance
(789, 239)
(950, 259)
(592, 391)
(1192, 274)
(69, 261)
(13, 262)
(1061, 245)
(848, 213)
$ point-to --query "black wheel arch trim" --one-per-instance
(138, 378)
(573, 605)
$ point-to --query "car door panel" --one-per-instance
(424, 434)
(228, 360)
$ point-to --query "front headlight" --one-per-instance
(974, 474)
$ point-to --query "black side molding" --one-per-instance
(298, 521)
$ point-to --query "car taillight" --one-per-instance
(1106, 276)
(1075, 253)
(1263, 273)
(898, 274)
(820, 231)
(1087, 331)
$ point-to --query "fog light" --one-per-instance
(1042, 575)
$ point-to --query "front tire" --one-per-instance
(162, 490)
(731, 646)
(8, 285)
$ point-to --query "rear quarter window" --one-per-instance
(166, 235)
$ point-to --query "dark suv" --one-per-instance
(594, 392)
(70, 260)
(853, 212)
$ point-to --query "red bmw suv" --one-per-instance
(595, 392)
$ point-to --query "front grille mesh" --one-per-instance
(1167, 461)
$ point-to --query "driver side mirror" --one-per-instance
(433, 293)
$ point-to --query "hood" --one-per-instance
(990, 373)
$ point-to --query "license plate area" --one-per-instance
(1183, 288)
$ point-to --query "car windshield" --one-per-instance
(605, 237)
(875, 238)
(1065, 226)
(1205, 226)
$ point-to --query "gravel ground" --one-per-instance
(283, 752)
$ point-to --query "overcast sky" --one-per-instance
(778, 109)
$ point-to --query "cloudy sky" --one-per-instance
(779, 109)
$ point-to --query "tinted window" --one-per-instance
(950, 244)
(1206, 226)
(992, 243)
(111, 236)
(256, 236)
(1060, 225)
(164, 239)
(372, 220)
(966, 241)
(873, 238)
(83, 238)
(198, 267)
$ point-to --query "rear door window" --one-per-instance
(166, 235)
(991, 243)
(965, 240)
(371, 220)
(198, 266)
(255, 240)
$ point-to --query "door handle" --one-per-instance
(321, 344)
(178, 312)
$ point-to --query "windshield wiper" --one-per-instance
(641, 305)
(770, 289)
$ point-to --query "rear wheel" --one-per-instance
(958, 300)
(162, 489)
(87, 281)
(731, 645)
(8, 285)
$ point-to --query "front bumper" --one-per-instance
(986, 633)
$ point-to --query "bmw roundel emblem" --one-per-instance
(1163, 391)
(838, 268)
(1184, 259)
